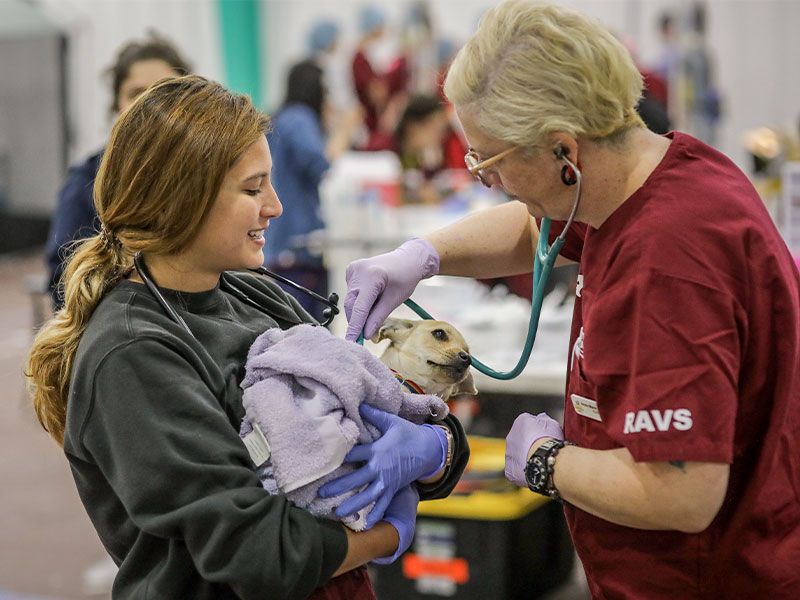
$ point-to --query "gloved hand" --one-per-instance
(527, 430)
(378, 285)
(404, 453)
(402, 514)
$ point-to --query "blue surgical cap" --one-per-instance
(370, 19)
(322, 36)
(445, 49)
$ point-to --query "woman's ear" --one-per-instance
(565, 151)
(564, 145)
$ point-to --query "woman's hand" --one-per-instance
(402, 515)
(378, 285)
(385, 542)
(525, 432)
(404, 453)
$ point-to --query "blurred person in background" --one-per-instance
(139, 64)
(419, 43)
(324, 49)
(702, 96)
(378, 92)
(303, 147)
(139, 381)
(420, 133)
(668, 66)
(652, 106)
(420, 142)
(445, 52)
(323, 40)
(679, 460)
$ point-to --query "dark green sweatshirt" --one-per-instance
(152, 439)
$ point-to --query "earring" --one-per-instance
(568, 176)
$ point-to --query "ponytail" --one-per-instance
(95, 267)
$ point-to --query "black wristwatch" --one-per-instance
(539, 470)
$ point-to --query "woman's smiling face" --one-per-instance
(232, 236)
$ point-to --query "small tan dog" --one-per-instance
(431, 354)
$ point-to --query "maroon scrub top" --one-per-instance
(685, 346)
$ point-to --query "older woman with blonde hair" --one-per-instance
(137, 377)
(678, 459)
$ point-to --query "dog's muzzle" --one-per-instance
(457, 367)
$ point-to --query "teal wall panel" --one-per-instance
(240, 25)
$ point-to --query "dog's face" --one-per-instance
(431, 353)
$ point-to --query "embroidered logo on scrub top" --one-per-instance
(577, 349)
(658, 420)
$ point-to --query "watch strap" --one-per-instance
(542, 461)
(448, 458)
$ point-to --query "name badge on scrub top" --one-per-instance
(585, 407)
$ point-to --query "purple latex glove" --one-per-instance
(402, 515)
(404, 453)
(526, 431)
(378, 285)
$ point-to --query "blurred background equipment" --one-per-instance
(34, 134)
(489, 539)
(386, 164)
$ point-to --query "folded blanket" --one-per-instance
(302, 387)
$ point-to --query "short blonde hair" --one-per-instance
(533, 69)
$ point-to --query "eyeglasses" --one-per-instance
(477, 167)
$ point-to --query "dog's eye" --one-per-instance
(439, 334)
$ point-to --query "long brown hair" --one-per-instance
(160, 174)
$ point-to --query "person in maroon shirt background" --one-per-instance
(680, 473)
(376, 91)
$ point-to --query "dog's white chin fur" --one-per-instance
(431, 381)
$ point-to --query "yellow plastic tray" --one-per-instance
(487, 454)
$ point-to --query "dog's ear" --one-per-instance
(466, 387)
(396, 330)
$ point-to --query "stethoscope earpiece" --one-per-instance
(568, 174)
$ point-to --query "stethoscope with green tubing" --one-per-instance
(544, 259)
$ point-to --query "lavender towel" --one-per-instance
(303, 386)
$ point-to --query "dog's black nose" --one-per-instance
(464, 357)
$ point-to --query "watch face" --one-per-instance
(536, 474)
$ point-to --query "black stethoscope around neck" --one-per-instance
(329, 313)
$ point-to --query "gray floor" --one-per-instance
(48, 549)
(46, 540)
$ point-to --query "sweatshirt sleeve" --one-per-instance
(161, 437)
